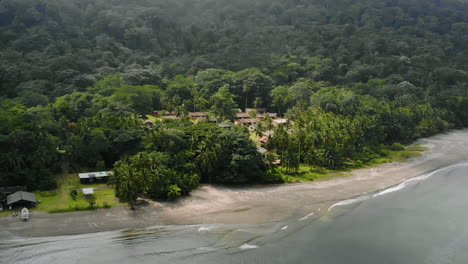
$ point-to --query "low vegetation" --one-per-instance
(5, 213)
(311, 173)
(61, 200)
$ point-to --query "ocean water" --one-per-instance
(423, 220)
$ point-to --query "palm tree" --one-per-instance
(126, 183)
(246, 89)
(223, 104)
(208, 155)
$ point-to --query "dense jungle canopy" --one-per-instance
(76, 76)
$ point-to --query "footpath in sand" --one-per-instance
(217, 205)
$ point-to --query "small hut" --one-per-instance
(21, 199)
(5, 191)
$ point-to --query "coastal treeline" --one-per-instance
(327, 139)
(78, 79)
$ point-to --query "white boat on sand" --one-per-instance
(25, 214)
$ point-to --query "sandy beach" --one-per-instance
(256, 204)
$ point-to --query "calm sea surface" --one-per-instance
(424, 220)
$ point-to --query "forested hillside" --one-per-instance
(77, 75)
(59, 44)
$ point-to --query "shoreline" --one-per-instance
(250, 205)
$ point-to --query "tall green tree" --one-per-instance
(127, 183)
(223, 105)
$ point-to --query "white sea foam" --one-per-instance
(205, 228)
(307, 216)
(284, 228)
(415, 179)
(349, 201)
(207, 248)
(247, 246)
(392, 189)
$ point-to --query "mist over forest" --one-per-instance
(352, 76)
(59, 44)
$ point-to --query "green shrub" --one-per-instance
(173, 192)
(366, 155)
(397, 147)
(74, 194)
(91, 199)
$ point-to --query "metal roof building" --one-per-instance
(21, 197)
(90, 177)
(99, 174)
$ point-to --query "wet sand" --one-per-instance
(260, 204)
